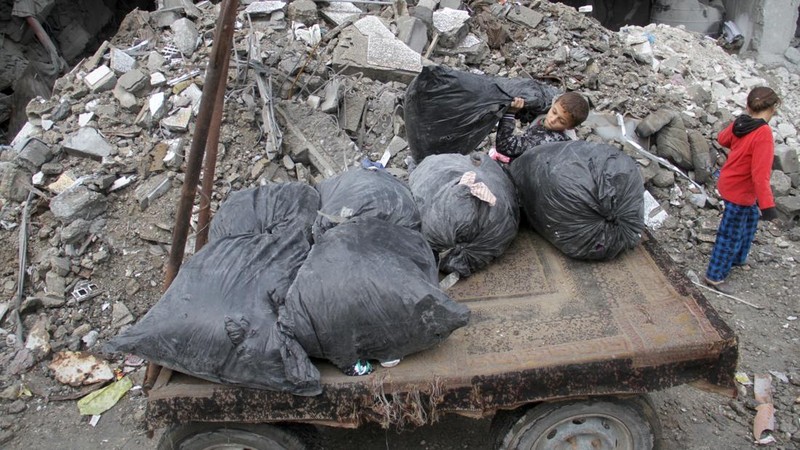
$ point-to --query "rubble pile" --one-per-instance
(314, 88)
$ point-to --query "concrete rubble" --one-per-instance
(108, 146)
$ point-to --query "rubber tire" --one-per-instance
(519, 429)
(202, 436)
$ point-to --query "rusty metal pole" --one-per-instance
(220, 53)
(210, 165)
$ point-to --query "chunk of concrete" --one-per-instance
(156, 105)
(100, 79)
(786, 159)
(78, 203)
(303, 11)
(264, 8)
(87, 142)
(452, 26)
(525, 16)
(33, 154)
(121, 62)
(157, 79)
(184, 36)
(369, 47)
(789, 205)
(133, 81)
(472, 48)
(152, 189)
(413, 32)
(424, 11)
(14, 181)
(780, 183)
(333, 94)
(74, 232)
(339, 12)
(309, 137)
(125, 98)
(178, 121)
(793, 55)
(396, 145)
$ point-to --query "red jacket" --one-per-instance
(744, 179)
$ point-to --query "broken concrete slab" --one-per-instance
(452, 26)
(14, 182)
(38, 340)
(452, 4)
(264, 8)
(472, 48)
(157, 79)
(353, 110)
(780, 183)
(424, 11)
(87, 142)
(78, 202)
(339, 12)
(178, 121)
(33, 154)
(152, 189)
(369, 47)
(524, 16)
(100, 79)
(396, 145)
(790, 206)
(184, 36)
(121, 62)
(316, 140)
(303, 11)
(156, 105)
(133, 81)
(413, 32)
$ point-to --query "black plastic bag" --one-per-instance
(369, 290)
(466, 231)
(586, 198)
(274, 208)
(449, 111)
(365, 193)
(216, 320)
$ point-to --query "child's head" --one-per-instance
(568, 111)
(761, 99)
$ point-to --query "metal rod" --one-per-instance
(210, 165)
(220, 52)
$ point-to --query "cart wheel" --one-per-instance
(213, 436)
(605, 423)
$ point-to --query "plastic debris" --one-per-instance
(104, 399)
(743, 379)
(780, 375)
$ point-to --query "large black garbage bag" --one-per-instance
(274, 208)
(369, 290)
(216, 320)
(365, 193)
(449, 111)
(466, 231)
(585, 198)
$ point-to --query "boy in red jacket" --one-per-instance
(744, 185)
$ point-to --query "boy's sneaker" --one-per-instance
(391, 363)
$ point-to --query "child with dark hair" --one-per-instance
(744, 185)
(567, 112)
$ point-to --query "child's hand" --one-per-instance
(516, 105)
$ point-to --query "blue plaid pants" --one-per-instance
(734, 238)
